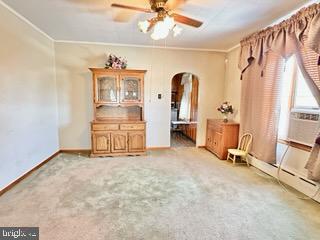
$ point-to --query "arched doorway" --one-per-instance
(184, 110)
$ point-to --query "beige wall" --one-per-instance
(28, 104)
(75, 97)
(233, 84)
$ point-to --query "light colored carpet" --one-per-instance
(170, 194)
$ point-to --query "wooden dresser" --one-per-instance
(221, 136)
(118, 127)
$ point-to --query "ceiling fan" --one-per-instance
(165, 20)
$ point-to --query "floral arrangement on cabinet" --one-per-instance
(116, 62)
(226, 109)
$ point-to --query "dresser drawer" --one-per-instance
(105, 127)
(132, 126)
(215, 126)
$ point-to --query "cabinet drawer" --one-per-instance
(132, 126)
(216, 127)
(105, 127)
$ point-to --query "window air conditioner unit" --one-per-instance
(303, 126)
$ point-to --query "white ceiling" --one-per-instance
(226, 22)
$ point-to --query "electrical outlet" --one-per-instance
(159, 96)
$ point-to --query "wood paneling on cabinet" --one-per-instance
(101, 142)
(118, 127)
(136, 141)
(119, 142)
(190, 131)
(221, 136)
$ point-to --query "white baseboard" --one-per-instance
(300, 183)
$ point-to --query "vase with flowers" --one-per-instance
(115, 62)
(226, 109)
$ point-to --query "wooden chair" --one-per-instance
(242, 150)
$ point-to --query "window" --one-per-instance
(303, 97)
(295, 96)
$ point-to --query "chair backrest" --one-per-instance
(245, 142)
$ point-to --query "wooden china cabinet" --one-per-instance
(118, 127)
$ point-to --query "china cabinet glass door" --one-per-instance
(107, 89)
(130, 89)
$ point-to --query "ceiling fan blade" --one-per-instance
(131, 8)
(186, 20)
(123, 16)
(174, 4)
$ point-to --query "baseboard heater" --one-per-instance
(283, 170)
(286, 171)
(307, 181)
(292, 174)
(295, 180)
(273, 165)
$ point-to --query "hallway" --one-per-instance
(179, 140)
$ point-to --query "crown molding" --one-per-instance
(142, 46)
(14, 12)
(233, 48)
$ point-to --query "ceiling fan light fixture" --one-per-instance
(177, 30)
(163, 9)
(169, 22)
(163, 27)
(165, 20)
(161, 31)
(144, 26)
